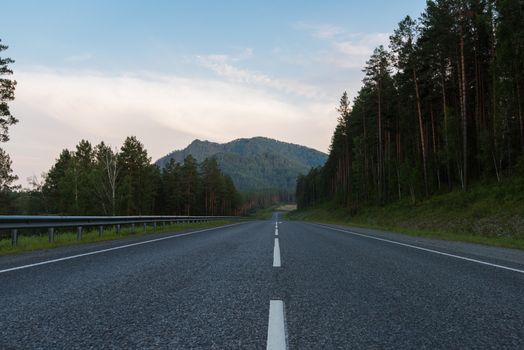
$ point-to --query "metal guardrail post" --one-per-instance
(79, 233)
(133, 227)
(118, 229)
(145, 227)
(51, 234)
(100, 231)
(14, 236)
(154, 226)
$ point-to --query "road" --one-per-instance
(265, 284)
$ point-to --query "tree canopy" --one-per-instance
(101, 181)
(441, 108)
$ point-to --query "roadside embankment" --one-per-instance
(487, 214)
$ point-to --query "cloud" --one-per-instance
(80, 57)
(57, 109)
(344, 50)
(222, 66)
(355, 50)
(321, 31)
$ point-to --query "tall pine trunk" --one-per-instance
(446, 140)
(421, 130)
(464, 114)
(380, 149)
(521, 122)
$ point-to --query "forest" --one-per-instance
(439, 109)
(101, 181)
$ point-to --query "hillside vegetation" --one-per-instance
(254, 164)
(97, 180)
(440, 110)
(489, 214)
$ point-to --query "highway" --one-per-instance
(271, 284)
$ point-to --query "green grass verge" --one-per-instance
(487, 214)
(264, 213)
(66, 238)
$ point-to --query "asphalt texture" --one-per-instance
(212, 290)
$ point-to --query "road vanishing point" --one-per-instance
(271, 284)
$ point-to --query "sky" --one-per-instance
(173, 71)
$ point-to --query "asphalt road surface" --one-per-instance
(265, 285)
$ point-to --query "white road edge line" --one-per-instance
(276, 254)
(276, 329)
(425, 249)
(113, 248)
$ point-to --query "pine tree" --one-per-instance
(450, 114)
(6, 180)
(138, 189)
(7, 94)
(190, 184)
(378, 77)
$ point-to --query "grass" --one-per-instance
(267, 212)
(287, 207)
(264, 213)
(67, 238)
(487, 214)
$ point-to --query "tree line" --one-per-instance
(97, 180)
(441, 107)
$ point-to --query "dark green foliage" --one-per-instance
(57, 188)
(172, 188)
(443, 109)
(190, 185)
(139, 179)
(7, 94)
(6, 181)
(488, 213)
(255, 164)
(100, 181)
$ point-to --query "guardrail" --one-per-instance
(17, 223)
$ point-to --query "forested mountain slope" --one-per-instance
(255, 163)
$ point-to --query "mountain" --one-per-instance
(256, 163)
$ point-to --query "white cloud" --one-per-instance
(321, 31)
(221, 65)
(57, 109)
(355, 50)
(82, 57)
(345, 50)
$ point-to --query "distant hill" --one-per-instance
(256, 163)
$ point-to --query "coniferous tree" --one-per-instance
(443, 110)
(7, 94)
(56, 188)
(190, 185)
(172, 188)
(139, 179)
(6, 180)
